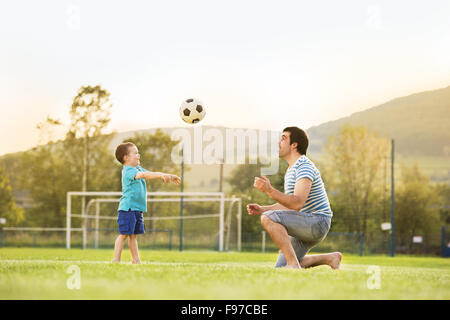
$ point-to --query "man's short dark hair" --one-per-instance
(122, 150)
(298, 135)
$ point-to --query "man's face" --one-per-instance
(133, 156)
(284, 147)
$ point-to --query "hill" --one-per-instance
(419, 123)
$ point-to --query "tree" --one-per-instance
(51, 169)
(417, 206)
(352, 165)
(443, 190)
(46, 177)
(90, 114)
(47, 180)
(46, 130)
(13, 170)
(8, 209)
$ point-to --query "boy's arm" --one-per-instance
(158, 175)
(149, 175)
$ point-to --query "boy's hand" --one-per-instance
(171, 178)
(175, 179)
(166, 178)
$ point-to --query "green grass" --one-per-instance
(42, 274)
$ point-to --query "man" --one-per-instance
(301, 218)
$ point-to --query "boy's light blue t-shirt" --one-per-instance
(134, 191)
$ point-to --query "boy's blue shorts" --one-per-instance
(131, 222)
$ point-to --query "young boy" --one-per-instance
(134, 198)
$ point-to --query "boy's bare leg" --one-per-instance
(281, 238)
(118, 247)
(331, 259)
(132, 242)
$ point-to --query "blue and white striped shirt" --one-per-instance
(317, 201)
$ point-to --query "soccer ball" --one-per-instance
(192, 111)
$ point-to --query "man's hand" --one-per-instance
(254, 209)
(263, 184)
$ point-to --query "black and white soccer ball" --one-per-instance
(192, 111)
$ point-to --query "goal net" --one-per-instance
(174, 220)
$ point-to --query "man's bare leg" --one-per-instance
(118, 247)
(281, 238)
(132, 243)
(331, 259)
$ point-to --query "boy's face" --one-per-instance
(132, 158)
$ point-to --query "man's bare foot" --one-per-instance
(136, 262)
(115, 261)
(335, 260)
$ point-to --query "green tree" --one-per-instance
(13, 170)
(48, 180)
(38, 172)
(51, 169)
(8, 209)
(352, 165)
(89, 114)
(416, 207)
(443, 190)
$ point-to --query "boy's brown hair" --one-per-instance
(122, 150)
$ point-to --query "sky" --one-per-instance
(253, 64)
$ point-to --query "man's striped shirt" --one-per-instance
(317, 201)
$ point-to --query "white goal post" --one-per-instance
(103, 197)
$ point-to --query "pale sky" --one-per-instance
(253, 64)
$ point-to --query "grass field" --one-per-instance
(43, 273)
